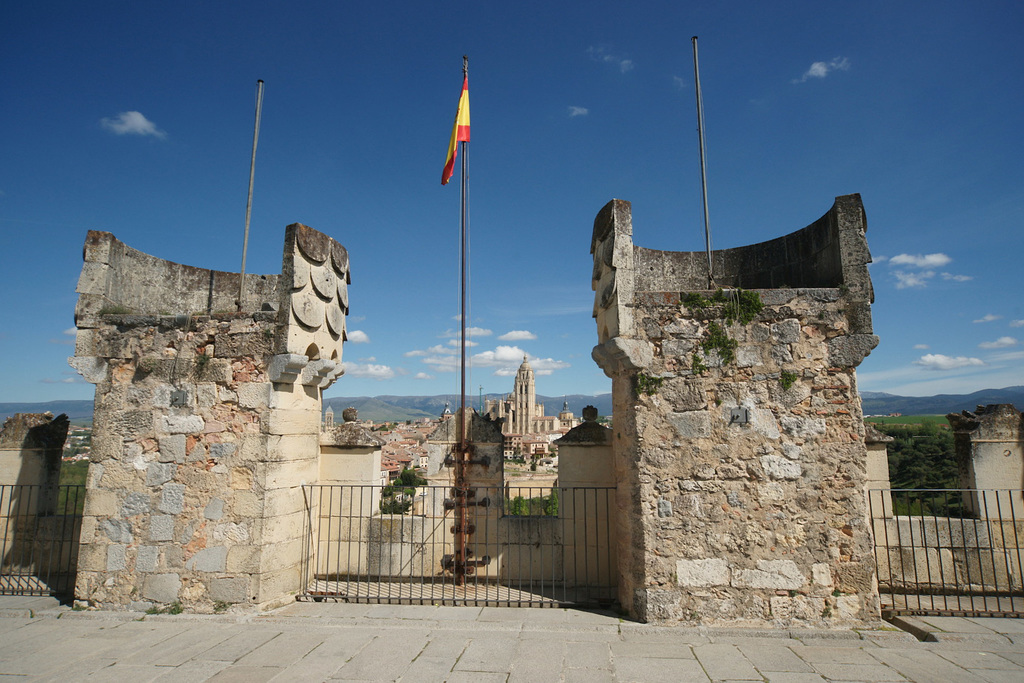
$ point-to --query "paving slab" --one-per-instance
(653, 670)
(920, 664)
(866, 673)
(774, 659)
(588, 656)
(487, 654)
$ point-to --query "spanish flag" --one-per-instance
(460, 132)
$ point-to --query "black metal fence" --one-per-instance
(527, 546)
(949, 551)
(39, 532)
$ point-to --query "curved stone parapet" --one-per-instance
(119, 279)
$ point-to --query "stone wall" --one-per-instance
(990, 455)
(739, 445)
(206, 421)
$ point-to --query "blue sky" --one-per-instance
(136, 118)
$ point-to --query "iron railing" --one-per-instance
(528, 546)
(949, 551)
(39, 533)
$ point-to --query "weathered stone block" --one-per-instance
(802, 427)
(774, 574)
(100, 503)
(161, 588)
(134, 504)
(158, 473)
(161, 527)
(172, 499)
(786, 332)
(219, 451)
(234, 589)
(780, 468)
(702, 573)
(117, 530)
(146, 558)
(214, 509)
(691, 425)
(254, 394)
(116, 557)
(172, 448)
(208, 560)
(183, 424)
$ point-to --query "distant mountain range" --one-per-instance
(877, 403)
(401, 408)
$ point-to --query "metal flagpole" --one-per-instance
(462, 516)
(252, 175)
(703, 166)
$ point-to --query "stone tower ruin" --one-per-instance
(738, 439)
(206, 421)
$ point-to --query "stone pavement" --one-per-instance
(43, 641)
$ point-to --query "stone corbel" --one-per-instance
(619, 354)
(91, 368)
(851, 350)
(321, 373)
(286, 367)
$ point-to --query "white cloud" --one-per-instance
(1001, 343)
(921, 347)
(1017, 323)
(987, 318)
(422, 375)
(905, 279)
(957, 278)
(937, 361)
(370, 359)
(504, 359)
(518, 335)
(458, 342)
(578, 111)
(1007, 356)
(822, 69)
(679, 82)
(71, 331)
(358, 337)
(369, 371)
(921, 260)
(601, 54)
(470, 332)
(132, 123)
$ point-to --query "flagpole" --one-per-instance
(460, 460)
(248, 203)
(703, 165)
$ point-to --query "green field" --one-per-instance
(910, 420)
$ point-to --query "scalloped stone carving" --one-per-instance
(308, 309)
(323, 279)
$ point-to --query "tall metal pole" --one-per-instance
(703, 165)
(462, 516)
(252, 175)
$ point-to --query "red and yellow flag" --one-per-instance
(460, 132)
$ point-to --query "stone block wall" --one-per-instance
(206, 421)
(740, 479)
(990, 455)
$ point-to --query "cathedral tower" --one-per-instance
(524, 395)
